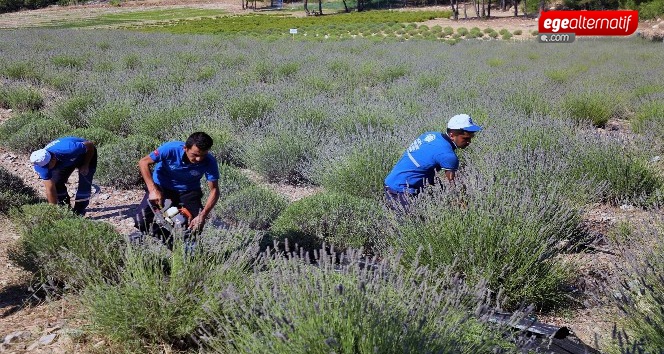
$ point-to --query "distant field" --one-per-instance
(132, 17)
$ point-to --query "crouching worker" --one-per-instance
(57, 161)
(427, 155)
(178, 169)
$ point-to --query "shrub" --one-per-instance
(279, 158)
(249, 109)
(144, 85)
(517, 32)
(503, 32)
(462, 31)
(493, 34)
(59, 81)
(651, 10)
(163, 297)
(231, 180)
(22, 71)
(21, 98)
(162, 124)
(117, 165)
(649, 119)
(14, 192)
(639, 289)
(336, 219)
(626, 174)
(505, 234)
(68, 61)
(528, 101)
(448, 30)
(113, 117)
(253, 206)
(294, 307)
(494, 62)
(99, 136)
(361, 173)
(65, 248)
(36, 134)
(506, 36)
(132, 61)
(12, 125)
(74, 110)
(594, 108)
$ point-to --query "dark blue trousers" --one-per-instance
(398, 201)
(60, 175)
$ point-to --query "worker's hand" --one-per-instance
(156, 197)
(84, 170)
(197, 222)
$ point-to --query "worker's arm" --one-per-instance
(153, 190)
(199, 220)
(89, 154)
(450, 176)
(51, 193)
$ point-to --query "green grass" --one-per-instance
(132, 17)
(281, 23)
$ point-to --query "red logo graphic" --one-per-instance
(590, 23)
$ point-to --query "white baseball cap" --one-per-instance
(463, 122)
(40, 157)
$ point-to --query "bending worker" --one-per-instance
(56, 162)
(428, 154)
(178, 169)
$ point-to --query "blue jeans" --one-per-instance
(60, 175)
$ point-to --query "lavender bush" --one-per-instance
(295, 307)
(162, 296)
(255, 207)
(118, 161)
(21, 98)
(340, 220)
(65, 249)
(14, 192)
(639, 289)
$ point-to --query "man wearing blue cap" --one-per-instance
(428, 154)
(57, 161)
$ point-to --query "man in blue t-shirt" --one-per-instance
(178, 169)
(428, 154)
(56, 162)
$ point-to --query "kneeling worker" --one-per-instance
(56, 162)
(178, 169)
(428, 154)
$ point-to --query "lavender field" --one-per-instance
(567, 127)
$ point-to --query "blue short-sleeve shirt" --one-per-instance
(173, 171)
(68, 150)
(430, 152)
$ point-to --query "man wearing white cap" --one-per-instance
(428, 154)
(57, 161)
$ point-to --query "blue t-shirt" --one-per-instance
(171, 170)
(68, 150)
(430, 152)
